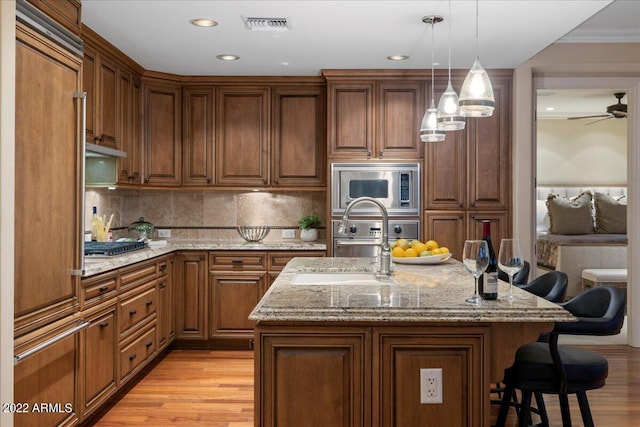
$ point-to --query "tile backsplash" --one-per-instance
(192, 214)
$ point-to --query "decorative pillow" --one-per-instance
(611, 214)
(542, 217)
(570, 216)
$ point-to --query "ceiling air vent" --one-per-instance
(266, 24)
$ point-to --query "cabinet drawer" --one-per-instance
(230, 260)
(140, 273)
(136, 353)
(277, 260)
(137, 308)
(98, 289)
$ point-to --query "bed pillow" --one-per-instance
(611, 214)
(570, 216)
(542, 217)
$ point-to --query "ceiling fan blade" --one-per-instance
(596, 121)
(589, 117)
(619, 114)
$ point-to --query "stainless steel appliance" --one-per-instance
(363, 236)
(395, 185)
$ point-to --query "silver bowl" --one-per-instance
(253, 233)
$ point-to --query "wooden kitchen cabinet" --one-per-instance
(162, 133)
(191, 296)
(298, 136)
(166, 301)
(129, 127)
(99, 355)
(48, 377)
(66, 12)
(242, 136)
(374, 115)
(197, 135)
(48, 181)
(136, 352)
(100, 81)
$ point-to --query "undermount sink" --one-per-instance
(337, 279)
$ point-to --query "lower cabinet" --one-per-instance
(45, 383)
(99, 345)
(166, 302)
(136, 351)
(369, 376)
(191, 296)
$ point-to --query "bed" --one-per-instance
(572, 253)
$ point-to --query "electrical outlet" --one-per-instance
(289, 234)
(431, 385)
(164, 233)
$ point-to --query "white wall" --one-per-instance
(572, 153)
(7, 126)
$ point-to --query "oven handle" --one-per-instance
(359, 242)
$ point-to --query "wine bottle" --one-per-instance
(94, 225)
(488, 282)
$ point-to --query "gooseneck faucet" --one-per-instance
(385, 253)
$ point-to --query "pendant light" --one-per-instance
(476, 94)
(429, 131)
(449, 116)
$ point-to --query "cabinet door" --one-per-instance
(318, 377)
(500, 226)
(299, 137)
(48, 378)
(197, 136)
(489, 154)
(66, 12)
(242, 136)
(165, 311)
(400, 107)
(447, 228)
(162, 136)
(130, 130)
(48, 184)
(233, 297)
(90, 85)
(98, 358)
(107, 103)
(191, 295)
(350, 120)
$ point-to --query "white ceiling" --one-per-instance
(348, 34)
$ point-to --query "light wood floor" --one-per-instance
(215, 389)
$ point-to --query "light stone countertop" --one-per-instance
(416, 293)
(95, 265)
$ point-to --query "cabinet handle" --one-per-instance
(146, 179)
(132, 356)
(208, 180)
(163, 268)
(461, 204)
(236, 260)
(368, 153)
(473, 217)
(149, 344)
(22, 356)
(162, 286)
(473, 204)
(103, 325)
(460, 217)
(103, 288)
(133, 312)
(149, 303)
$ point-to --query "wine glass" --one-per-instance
(510, 261)
(475, 257)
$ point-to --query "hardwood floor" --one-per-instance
(215, 389)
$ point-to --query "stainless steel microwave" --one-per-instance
(395, 185)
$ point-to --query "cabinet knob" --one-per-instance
(103, 288)
(149, 344)
(473, 204)
(149, 303)
(132, 356)
(163, 285)
(103, 325)
(208, 180)
(133, 312)
(146, 179)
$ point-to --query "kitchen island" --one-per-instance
(336, 348)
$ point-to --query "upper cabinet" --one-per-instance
(242, 136)
(374, 115)
(65, 12)
(162, 133)
(197, 135)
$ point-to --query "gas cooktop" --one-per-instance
(111, 248)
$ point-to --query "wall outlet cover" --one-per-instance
(431, 385)
(164, 233)
(289, 233)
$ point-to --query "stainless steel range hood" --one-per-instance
(100, 165)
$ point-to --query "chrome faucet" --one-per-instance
(385, 253)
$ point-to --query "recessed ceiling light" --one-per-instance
(204, 22)
(397, 57)
(550, 108)
(227, 57)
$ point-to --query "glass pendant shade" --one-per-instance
(429, 128)
(449, 117)
(476, 94)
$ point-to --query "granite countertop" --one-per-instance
(416, 293)
(104, 264)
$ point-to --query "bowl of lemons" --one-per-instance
(404, 251)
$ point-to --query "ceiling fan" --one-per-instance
(614, 111)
